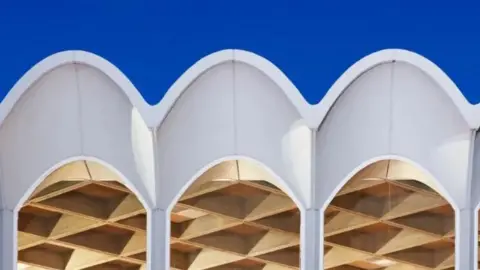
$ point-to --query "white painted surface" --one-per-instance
(269, 129)
(428, 129)
(42, 130)
(355, 130)
(235, 104)
(198, 130)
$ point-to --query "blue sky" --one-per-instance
(313, 42)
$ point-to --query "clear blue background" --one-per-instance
(313, 42)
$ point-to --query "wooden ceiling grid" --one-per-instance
(80, 218)
(233, 218)
(383, 219)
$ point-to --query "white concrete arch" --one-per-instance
(468, 111)
(71, 57)
(72, 110)
(226, 112)
(395, 109)
(233, 55)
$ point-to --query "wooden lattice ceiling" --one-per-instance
(384, 219)
(232, 218)
(78, 218)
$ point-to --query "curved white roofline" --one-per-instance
(64, 58)
(313, 115)
(224, 56)
(389, 55)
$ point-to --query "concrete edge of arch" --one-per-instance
(312, 114)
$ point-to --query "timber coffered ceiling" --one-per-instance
(383, 218)
(234, 217)
(81, 218)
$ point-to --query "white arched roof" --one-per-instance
(313, 114)
(391, 55)
(64, 58)
(438, 154)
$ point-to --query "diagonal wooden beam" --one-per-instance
(83, 258)
(74, 171)
(405, 239)
(424, 257)
(368, 239)
(287, 221)
(271, 205)
(128, 207)
(414, 203)
(218, 203)
(206, 188)
(69, 224)
(100, 240)
(345, 221)
(286, 257)
(136, 244)
(207, 224)
(337, 256)
(273, 241)
(226, 241)
(359, 183)
(270, 266)
(364, 205)
(401, 266)
(208, 258)
(27, 240)
(46, 257)
(76, 204)
(447, 263)
(58, 189)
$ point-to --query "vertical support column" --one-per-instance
(320, 252)
(7, 239)
(466, 224)
(314, 217)
(310, 231)
(465, 243)
(159, 240)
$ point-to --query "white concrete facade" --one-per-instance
(392, 104)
